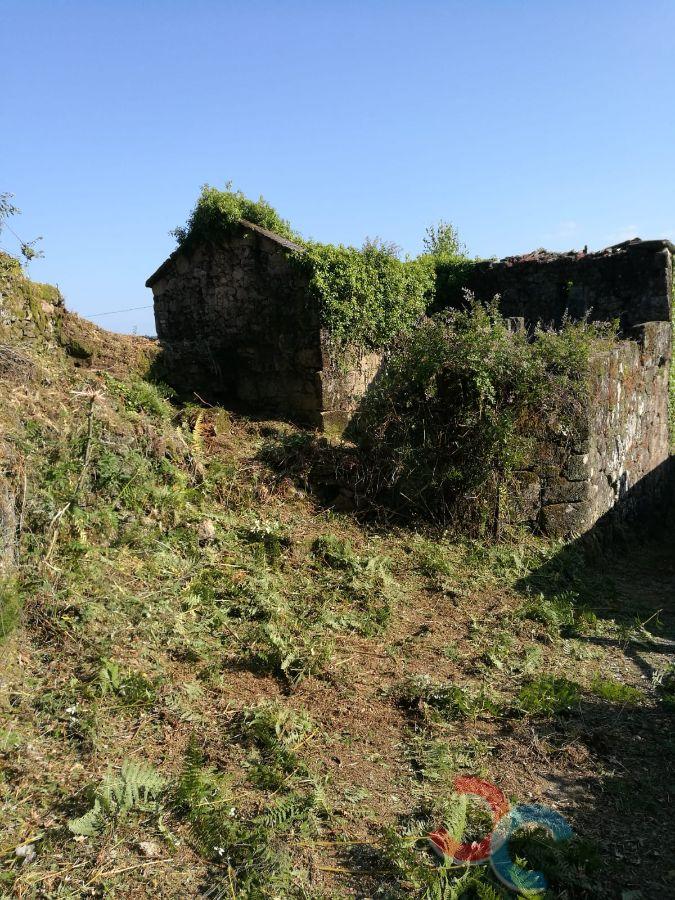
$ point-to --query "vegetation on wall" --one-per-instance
(218, 214)
(462, 404)
(367, 296)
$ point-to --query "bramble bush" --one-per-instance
(461, 405)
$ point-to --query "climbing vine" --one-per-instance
(365, 297)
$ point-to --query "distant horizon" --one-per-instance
(525, 125)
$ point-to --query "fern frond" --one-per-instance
(136, 786)
(91, 823)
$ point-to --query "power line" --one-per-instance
(113, 312)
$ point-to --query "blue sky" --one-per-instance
(527, 124)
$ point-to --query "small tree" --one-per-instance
(443, 240)
(7, 209)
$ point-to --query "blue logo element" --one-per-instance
(513, 876)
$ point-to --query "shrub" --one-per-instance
(218, 214)
(463, 402)
(366, 297)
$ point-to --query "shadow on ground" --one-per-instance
(624, 570)
(620, 794)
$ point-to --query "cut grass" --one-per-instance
(181, 605)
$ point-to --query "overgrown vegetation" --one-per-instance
(214, 685)
(365, 297)
(218, 214)
(461, 406)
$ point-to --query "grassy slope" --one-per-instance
(189, 608)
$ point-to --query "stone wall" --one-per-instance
(236, 322)
(631, 282)
(625, 441)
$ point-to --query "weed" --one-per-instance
(334, 552)
(132, 689)
(365, 582)
(548, 696)
(139, 395)
(10, 606)
(431, 559)
(441, 701)
(252, 846)
(288, 653)
(271, 536)
(665, 686)
(271, 725)
(615, 692)
(436, 759)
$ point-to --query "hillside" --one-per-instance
(220, 680)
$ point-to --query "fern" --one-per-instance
(455, 815)
(91, 823)
(197, 443)
(138, 786)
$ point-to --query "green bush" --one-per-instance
(367, 297)
(463, 402)
(218, 214)
(364, 297)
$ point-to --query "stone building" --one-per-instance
(235, 321)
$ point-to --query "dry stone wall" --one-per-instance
(236, 321)
(631, 282)
(619, 464)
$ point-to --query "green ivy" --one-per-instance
(367, 297)
(218, 214)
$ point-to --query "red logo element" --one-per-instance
(475, 852)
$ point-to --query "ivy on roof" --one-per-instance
(367, 296)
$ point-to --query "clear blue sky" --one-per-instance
(525, 123)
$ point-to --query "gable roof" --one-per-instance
(248, 226)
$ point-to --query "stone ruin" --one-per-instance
(235, 321)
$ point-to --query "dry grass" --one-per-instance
(171, 581)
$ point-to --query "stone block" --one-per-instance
(566, 519)
(560, 490)
(577, 467)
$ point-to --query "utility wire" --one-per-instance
(113, 312)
